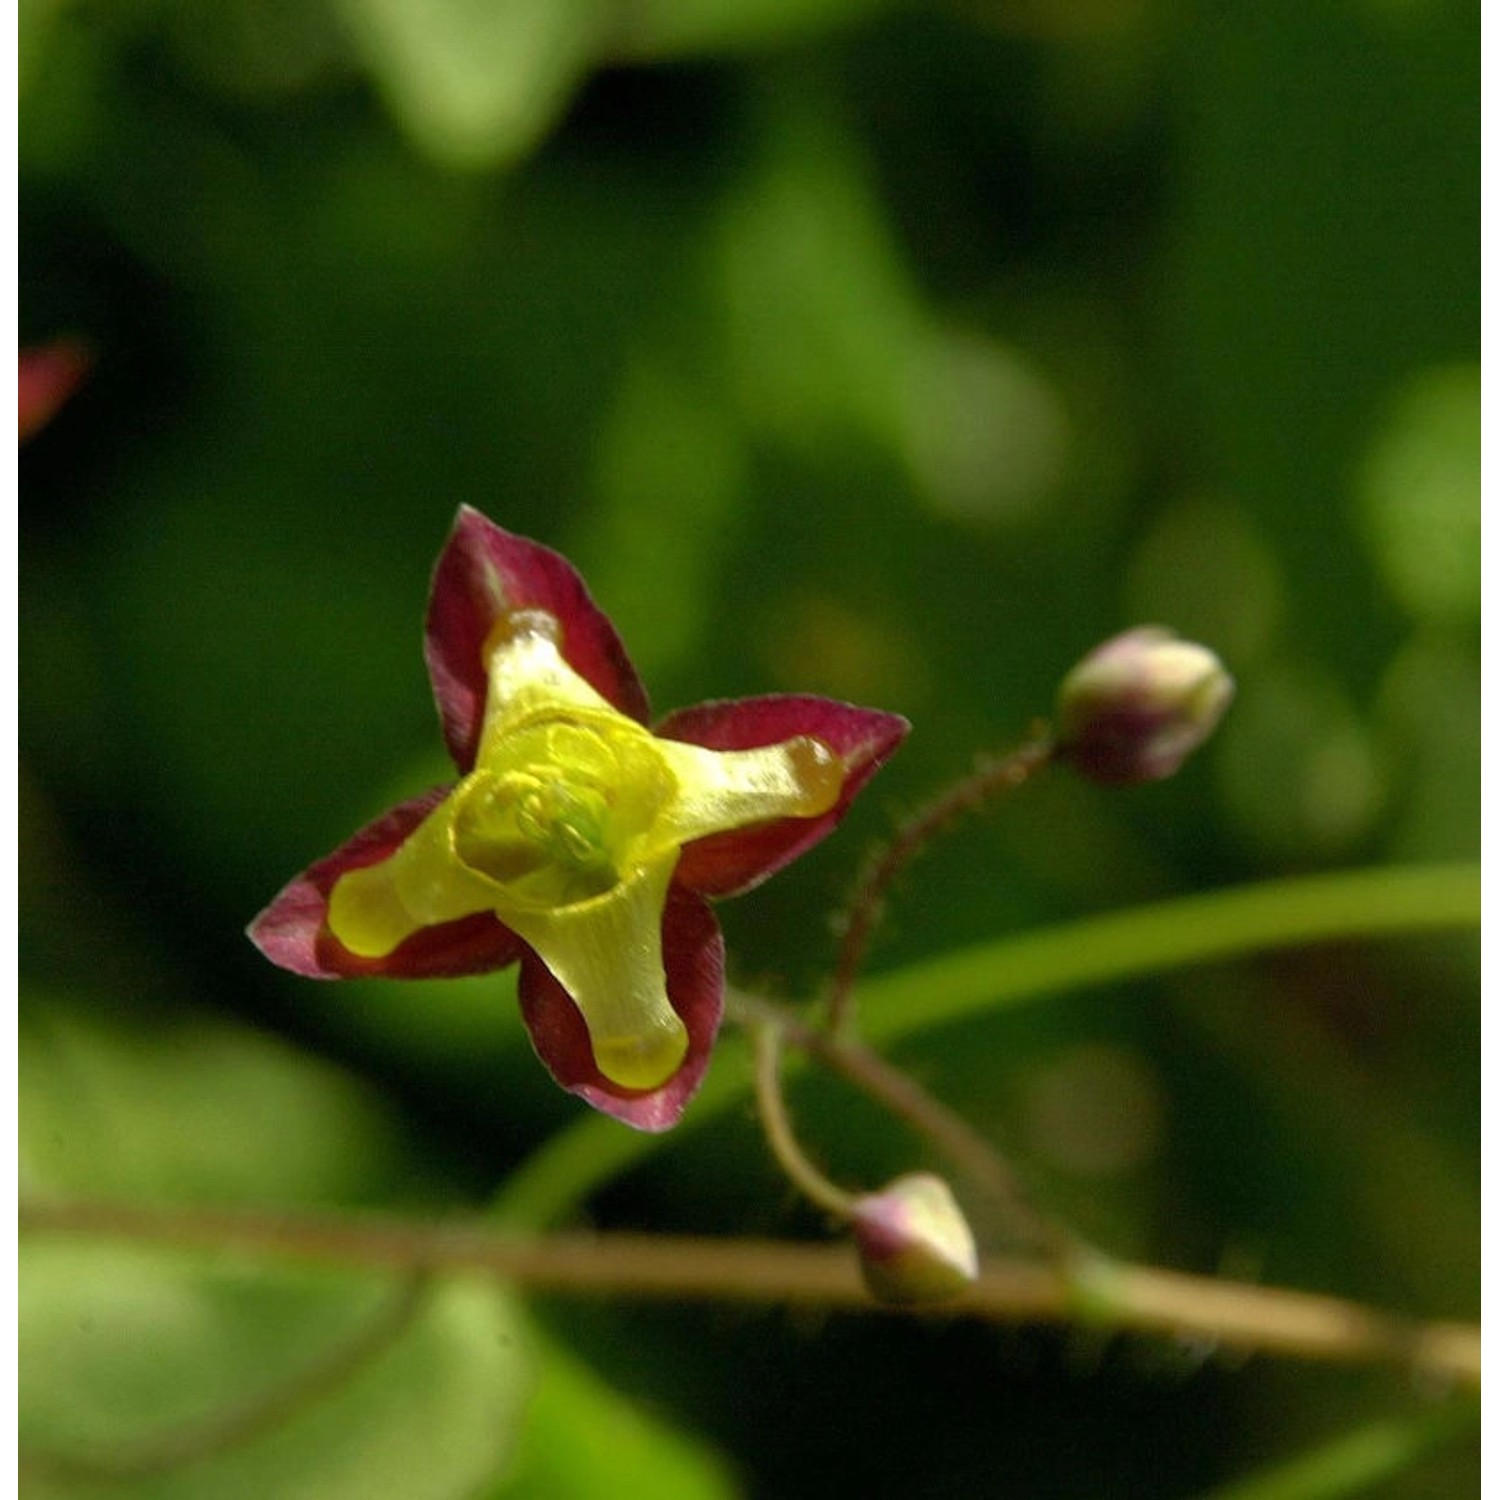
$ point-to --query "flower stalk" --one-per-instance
(990, 779)
(922, 1112)
(1224, 1314)
(777, 1124)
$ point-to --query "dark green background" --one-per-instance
(899, 353)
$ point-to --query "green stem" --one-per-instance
(777, 1124)
(1354, 1462)
(1356, 904)
(1118, 946)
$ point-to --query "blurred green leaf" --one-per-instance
(583, 1438)
(672, 476)
(256, 48)
(1420, 495)
(987, 436)
(1299, 765)
(667, 28)
(189, 1109)
(475, 83)
(129, 1353)
(1329, 238)
(34, 22)
(823, 323)
(1205, 570)
(1429, 704)
(139, 1360)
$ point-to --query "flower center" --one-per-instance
(558, 811)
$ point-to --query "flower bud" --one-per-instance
(1136, 707)
(914, 1243)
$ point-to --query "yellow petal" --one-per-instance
(373, 909)
(606, 953)
(722, 789)
(528, 677)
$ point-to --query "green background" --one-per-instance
(899, 353)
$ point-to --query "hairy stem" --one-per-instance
(1122, 1297)
(990, 779)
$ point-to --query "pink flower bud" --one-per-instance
(1136, 707)
(914, 1243)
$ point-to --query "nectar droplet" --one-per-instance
(819, 773)
(522, 624)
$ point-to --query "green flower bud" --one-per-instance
(1136, 707)
(914, 1243)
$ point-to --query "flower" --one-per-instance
(1135, 708)
(578, 841)
(913, 1240)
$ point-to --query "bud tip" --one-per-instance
(1135, 708)
(914, 1243)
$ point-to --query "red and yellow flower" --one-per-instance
(578, 841)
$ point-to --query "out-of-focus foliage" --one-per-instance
(584, 1438)
(897, 352)
(130, 1350)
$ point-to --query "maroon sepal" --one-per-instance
(484, 572)
(48, 374)
(693, 954)
(727, 863)
(293, 930)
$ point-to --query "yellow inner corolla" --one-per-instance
(569, 828)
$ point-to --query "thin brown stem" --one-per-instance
(777, 1124)
(1124, 1298)
(990, 779)
(928, 1115)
